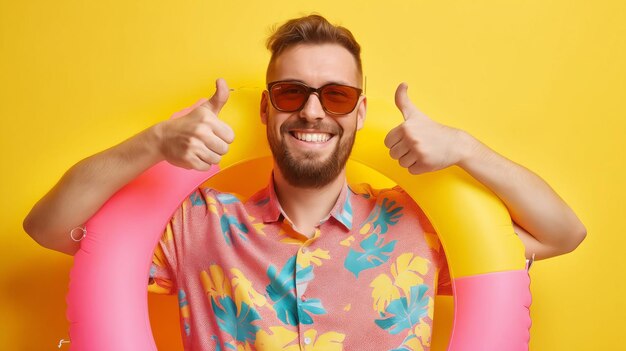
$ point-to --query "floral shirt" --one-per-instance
(247, 280)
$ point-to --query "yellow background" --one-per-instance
(543, 82)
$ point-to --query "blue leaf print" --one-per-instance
(374, 255)
(197, 199)
(182, 298)
(263, 201)
(345, 216)
(227, 199)
(388, 215)
(153, 271)
(281, 290)
(183, 306)
(226, 222)
(313, 306)
(402, 347)
(303, 277)
(218, 345)
(236, 323)
(405, 314)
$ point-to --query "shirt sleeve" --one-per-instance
(171, 247)
(160, 280)
(444, 282)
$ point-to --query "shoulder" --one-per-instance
(205, 199)
(365, 190)
(396, 198)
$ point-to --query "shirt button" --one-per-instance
(307, 340)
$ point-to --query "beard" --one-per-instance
(309, 171)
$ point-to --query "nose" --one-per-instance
(312, 109)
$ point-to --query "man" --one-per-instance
(307, 261)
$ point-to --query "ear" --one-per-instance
(361, 111)
(264, 107)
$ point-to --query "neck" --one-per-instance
(306, 207)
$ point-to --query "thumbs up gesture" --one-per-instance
(198, 139)
(419, 143)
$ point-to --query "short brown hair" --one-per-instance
(312, 29)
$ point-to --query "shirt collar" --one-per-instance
(272, 211)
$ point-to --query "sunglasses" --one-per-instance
(336, 99)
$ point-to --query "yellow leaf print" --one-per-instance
(214, 283)
(365, 228)
(212, 204)
(347, 241)
(414, 345)
(364, 189)
(156, 284)
(244, 347)
(292, 241)
(305, 258)
(280, 339)
(407, 270)
(384, 291)
(161, 286)
(423, 332)
(258, 226)
(168, 234)
(244, 292)
(331, 341)
(159, 257)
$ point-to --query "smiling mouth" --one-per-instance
(312, 137)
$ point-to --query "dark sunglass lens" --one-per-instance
(289, 97)
(339, 99)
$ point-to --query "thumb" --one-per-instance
(219, 98)
(404, 104)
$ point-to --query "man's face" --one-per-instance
(311, 147)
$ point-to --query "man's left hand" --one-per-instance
(421, 144)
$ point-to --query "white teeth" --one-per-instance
(313, 137)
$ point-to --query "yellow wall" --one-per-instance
(543, 82)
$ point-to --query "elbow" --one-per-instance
(29, 227)
(577, 237)
(46, 240)
(568, 243)
(574, 238)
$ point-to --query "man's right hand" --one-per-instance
(199, 139)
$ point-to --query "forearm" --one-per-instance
(553, 226)
(195, 139)
(85, 187)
